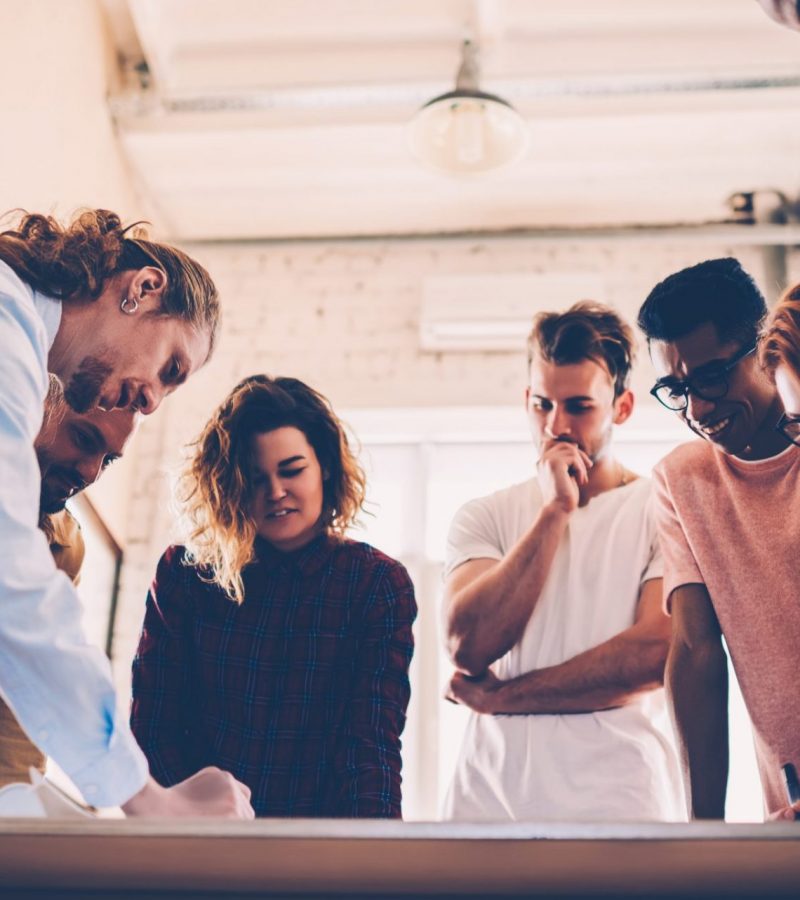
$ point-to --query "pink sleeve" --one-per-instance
(680, 565)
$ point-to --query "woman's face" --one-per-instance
(286, 496)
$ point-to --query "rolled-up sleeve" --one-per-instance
(58, 686)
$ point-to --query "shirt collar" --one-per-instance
(307, 559)
(49, 309)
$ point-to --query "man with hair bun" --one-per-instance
(552, 606)
(728, 509)
(122, 321)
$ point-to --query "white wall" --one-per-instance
(59, 151)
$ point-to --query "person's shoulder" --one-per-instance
(523, 493)
(18, 308)
(640, 489)
(13, 287)
(354, 551)
(176, 563)
(18, 301)
(373, 564)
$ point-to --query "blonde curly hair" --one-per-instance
(214, 490)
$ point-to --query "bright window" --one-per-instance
(421, 466)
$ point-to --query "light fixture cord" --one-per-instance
(469, 72)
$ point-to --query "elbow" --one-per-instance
(466, 657)
(650, 670)
(704, 661)
(461, 645)
(657, 654)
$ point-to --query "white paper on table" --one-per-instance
(39, 800)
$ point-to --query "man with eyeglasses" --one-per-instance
(729, 524)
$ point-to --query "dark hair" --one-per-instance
(215, 487)
(587, 330)
(75, 261)
(780, 342)
(718, 291)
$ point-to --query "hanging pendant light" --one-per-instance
(468, 131)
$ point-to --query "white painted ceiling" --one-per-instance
(287, 118)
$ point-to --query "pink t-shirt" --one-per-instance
(734, 526)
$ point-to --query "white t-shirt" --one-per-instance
(613, 765)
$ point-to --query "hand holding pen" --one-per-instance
(791, 784)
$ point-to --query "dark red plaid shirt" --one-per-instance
(300, 692)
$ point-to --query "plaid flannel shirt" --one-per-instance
(300, 692)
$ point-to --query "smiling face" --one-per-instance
(733, 422)
(74, 450)
(286, 495)
(575, 402)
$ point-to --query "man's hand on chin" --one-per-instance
(478, 692)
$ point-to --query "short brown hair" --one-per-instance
(780, 342)
(215, 487)
(75, 261)
(587, 330)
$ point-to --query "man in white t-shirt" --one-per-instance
(552, 607)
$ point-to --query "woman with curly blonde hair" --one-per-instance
(272, 644)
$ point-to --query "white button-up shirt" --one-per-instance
(57, 684)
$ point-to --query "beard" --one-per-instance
(58, 485)
(50, 503)
(82, 392)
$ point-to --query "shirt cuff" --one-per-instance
(116, 776)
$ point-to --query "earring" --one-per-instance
(129, 305)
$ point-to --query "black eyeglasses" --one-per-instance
(789, 427)
(709, 383)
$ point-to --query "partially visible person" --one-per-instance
(272, 645)
(729, 523)
(122, 322)
(780, 355)
(73, 450)
(552, 606)
(785, 12)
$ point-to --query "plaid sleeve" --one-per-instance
(367, 758)
(161, 674)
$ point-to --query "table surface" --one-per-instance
(281, 857)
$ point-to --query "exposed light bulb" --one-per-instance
(467, 130)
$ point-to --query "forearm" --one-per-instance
(488, 616)
(160, 705)
(697, 682)
(367, 761)
(367, 775)
(158, 724)
(610, 675)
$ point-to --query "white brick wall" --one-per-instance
(344, 317)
